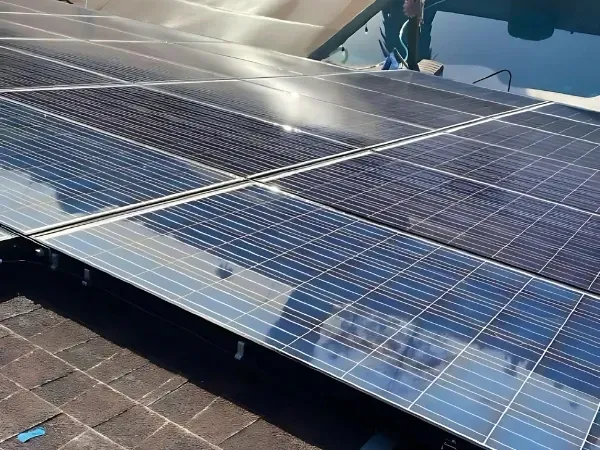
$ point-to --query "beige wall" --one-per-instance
(290, 26)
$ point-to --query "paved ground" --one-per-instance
(99, 374)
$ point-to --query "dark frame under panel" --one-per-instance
(496, 356)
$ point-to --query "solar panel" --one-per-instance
(8, 8)
(542, 237)
(281, 61)
(53, 171)
(217, 138)
(579, 152)
(226, 67)
(154, 32)
(417, 113)
(308, 114)
(71, 28)
(568, 112)
(553, 174)
(113, 62)
(52, 7)
(10, 30)
(499, 357)
(559, 125)
(390, 87)
(20, 70)
(4, 235)
(445, 84)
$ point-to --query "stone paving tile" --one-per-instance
(89, 354)
(90, 441)
(117, 366)
(16, 306)
(169, 386)
(13, 347)
(262, 435)
(59, 430)
(7, 387)
(35, 369)
(22, 411)
(183, 403)
(141, 381)
(97, 405)
(131, 427)
(171, 437)
(220, 420)
(33, 322)
(65, 389)
(62, 336)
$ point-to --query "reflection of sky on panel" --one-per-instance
(425, 328)
(53, 171)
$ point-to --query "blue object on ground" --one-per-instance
(391, 63)
(33, 433)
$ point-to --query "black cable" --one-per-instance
(496, 73)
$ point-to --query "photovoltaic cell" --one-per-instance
(533, 141)
(546, 169)
(10, 30)
(558, 125)
(52, 171)
(307, 114)
(52, 7)
(112, 62)
(416, 113)
(281, 61)
(502, 358)
(20, 70)
(71, 28)
(446, 84)
(214, 137)
(396, 88)
(525, 232)
(8, 8)
(222, 65)
(154, 32)
(568, 112)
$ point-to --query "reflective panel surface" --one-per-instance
(322, 118)
(456, 87)
(281, 61)
(222, 65)
(72, 28)
(539, 236)
(11, 30)
(395, 88)
(408, 111)
(489, 353)
(554, 124)
(153, 32)
(19, 70)
(211, 136)
(52, 171)
(567, 112)
(121, 65)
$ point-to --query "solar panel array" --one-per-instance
(431, 243)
